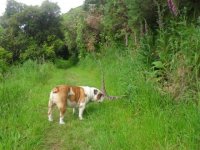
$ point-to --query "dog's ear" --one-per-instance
(95, 91)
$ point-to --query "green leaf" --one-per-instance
(158, 64)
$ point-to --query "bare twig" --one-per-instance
(103, 87)
(115, 97)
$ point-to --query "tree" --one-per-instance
(73, 28)
(115, 21)
(13, 8)
(40, 22)
(27, 30)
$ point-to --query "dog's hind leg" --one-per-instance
(50, 107)
(62, 112)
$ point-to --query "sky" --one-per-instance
(65, 5)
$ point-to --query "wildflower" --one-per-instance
(172, 7)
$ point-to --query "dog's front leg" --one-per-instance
(81, 109)
(75, 110)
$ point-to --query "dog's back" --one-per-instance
(64, 95)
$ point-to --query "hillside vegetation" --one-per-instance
(145, 119)
(165, 33)
(148, 51)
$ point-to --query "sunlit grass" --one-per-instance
(145, 119)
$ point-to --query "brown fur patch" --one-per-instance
(64, 93)
(79, 95)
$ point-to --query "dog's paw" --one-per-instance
(81, 118)
(50, 119)
(62, 122)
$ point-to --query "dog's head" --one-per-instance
(98, 95)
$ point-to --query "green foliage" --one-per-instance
(192, 7)
(21, 122)
(176, 48)
(146, 49)
(74, 31)
(154, 118)
(80, 40)
(41, 22)
(32, 32)
(5, 60)
(158, 71)
(88, 4)
(13, 8)
(115, 20)
(5, 55)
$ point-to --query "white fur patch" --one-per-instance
(71, 92)
(61, 121)
(89, 91)
(71, 104)
(50, 117)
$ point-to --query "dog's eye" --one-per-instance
(99, 96)
(95, 92)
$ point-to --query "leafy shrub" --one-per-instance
(173, 53)
(5, 59)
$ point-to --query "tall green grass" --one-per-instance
(152, 120)
(174, 56)
(22, 105)
(144, 119)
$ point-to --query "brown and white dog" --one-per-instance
(75, 97)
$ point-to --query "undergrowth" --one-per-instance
(174, 58)
(21, 100)
(157, 121)
(144, 119)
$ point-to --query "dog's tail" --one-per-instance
(51, 99)
(50, 105)
(53, 91)
(51, 96)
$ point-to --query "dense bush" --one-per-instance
(162, 31)
(5, 59)
(174, 54)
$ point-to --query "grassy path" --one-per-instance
(118, 125)
(23, 107)
(100, 128)
(145, 120)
